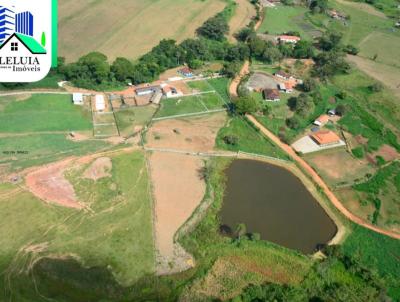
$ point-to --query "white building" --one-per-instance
(77, 98)
(100, 103)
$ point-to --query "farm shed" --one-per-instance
(326, 138)
(77, 98)
(145, 90)
(322, 120)
(288, 39)
(271, 95)
(100, 103)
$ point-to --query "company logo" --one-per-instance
(25, 40)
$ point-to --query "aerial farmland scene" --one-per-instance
(205, 150)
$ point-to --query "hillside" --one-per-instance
(127, 28)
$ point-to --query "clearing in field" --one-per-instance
(384, 46)
(338, 167)
(116, 234)
(42, 113)
(194, 134)
(129, 32)
(178, 190)
(281, 19)
(132, 120)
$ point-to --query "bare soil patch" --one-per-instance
(178, 190)
(49, 184)
(387, 152)
(195, 134)
(244, 13)
(100, 168)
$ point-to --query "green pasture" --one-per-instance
(22, 151)
(42, 112)
(128, 119)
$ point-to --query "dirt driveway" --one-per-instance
(178, 190)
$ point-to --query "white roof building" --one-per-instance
(100, 103)
(77, 98)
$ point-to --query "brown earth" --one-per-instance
(178, 190)
(194, 134)
(387, 152)
(244, 13)
(100, 168)
(50, 185)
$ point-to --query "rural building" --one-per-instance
(332, 112)
(334, 14)
(326, 138)
(288, 39)
(171, 92)
(283, 75)
(186, 72)
(322, 120)
(147, 89)
(77, 98)
(397, 24)
(271, 95)
(100, 103)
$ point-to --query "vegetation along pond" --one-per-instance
(273, 202)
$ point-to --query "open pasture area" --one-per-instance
(115, 234)
(22, 151)
(281, 19)
(128, 28)
(42, 113)
(131, 120)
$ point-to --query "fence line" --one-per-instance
(188, 114)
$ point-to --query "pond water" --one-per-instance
(273, 202)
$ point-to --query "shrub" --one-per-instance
(358, 152)
(231, 140)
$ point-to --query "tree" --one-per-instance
(309, 84)
(330, 63)
(341, 110)
(304, 105)
(293, 123)
(376, 87)
(122, 69)
(231, 69)
(245, 34)
(241, 230)
(231, 140)
(330, 40)
(351, 49)
(214, 28)
(271, 55)
(303, 50)
(247, 104)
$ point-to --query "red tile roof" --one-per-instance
(326, 137)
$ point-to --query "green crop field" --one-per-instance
(132, 31)
(42, 112)
(115, 235)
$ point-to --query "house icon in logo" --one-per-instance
(21, 44)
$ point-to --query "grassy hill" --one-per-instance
(128, 28)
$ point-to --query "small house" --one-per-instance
(288, 39)
(322, 120)
(332, 112)
(147, 89)
(271, 95)
(283, 75)
(186, 72)
(100, 103)
(326, 138)
(77, 98)
(171, 92)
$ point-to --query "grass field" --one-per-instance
(129, 119)
(248, 139)
(376, 252)
(42, 112)
(116, 235)
(132, 31)
(191, 104)
(19, 152)
(281, 19)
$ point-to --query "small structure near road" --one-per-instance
(171, 92)
(77, 99)
(287, 39)
(283, 75)
(147, 89)
(271, 95)
(100, 104)
(186, 72)
(322, 120)
(318, 141)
